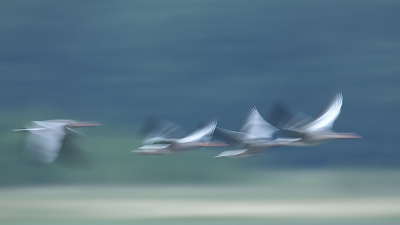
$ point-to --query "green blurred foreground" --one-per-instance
(284, 197)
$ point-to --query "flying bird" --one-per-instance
(312, 131)
(46, 138)
(255, 136)
(158, 141)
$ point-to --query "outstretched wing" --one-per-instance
(325, 119)
(203, 134)
(256, 127)
(162, 132)
(231, 137)
(286, 117)
(44, 141)
(234, 154)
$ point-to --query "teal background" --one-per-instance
(118, 62)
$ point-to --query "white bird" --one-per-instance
(255, 136)
(157, 144)
(46, 138)
(318, 129)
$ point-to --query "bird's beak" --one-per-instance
(350, 136)
(86, 124)
(29, 129)
(215, 144)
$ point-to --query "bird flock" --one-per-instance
(45, 139)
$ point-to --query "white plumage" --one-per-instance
(255, 136)
(157, 143)
(318, 129)
(46, 138)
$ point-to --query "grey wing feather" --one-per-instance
(234, 137)
(256, 127)
(44, 145)
(234, 154)
(202, 134)
(164, 131)
(327, 116)
(288, 118)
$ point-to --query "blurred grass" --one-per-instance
(277, 184)
(279, 197)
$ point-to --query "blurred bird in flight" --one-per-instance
(311, 131)
(255, 136)
(46, 138)
(162, 140)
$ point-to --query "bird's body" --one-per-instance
(46, 138)
(157, 144)
(252, 149)
(255, 136)
(318, 129)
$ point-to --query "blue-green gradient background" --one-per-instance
(118, 62)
